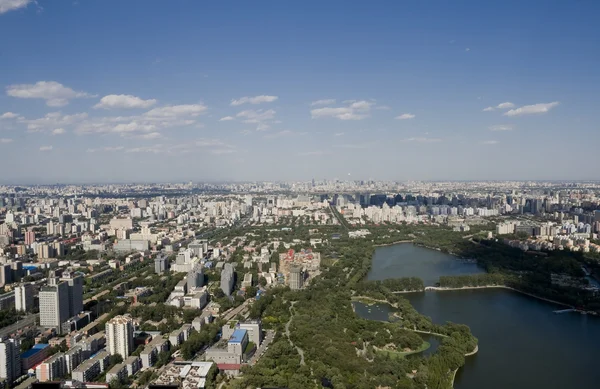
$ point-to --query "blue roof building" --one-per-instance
(238, 336)
(34, 350)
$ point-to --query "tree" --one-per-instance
(115, 359)
(262, 281)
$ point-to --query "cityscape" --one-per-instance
(299, 195)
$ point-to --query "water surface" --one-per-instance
(523, 344)
(409, 260)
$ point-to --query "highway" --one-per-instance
(28, 320)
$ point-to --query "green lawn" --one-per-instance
(401, 354)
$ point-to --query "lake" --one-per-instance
(522, 343)
(408, 260)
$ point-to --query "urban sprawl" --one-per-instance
(131, 285)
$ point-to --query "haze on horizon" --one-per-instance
(156, 91)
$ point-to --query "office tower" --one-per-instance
(6, 274)
(54, 304)
(119, 336)
(161, 264)
(227, 279)
(24, 297)
(296, 278)
(195, 278)
(17, 270)
(10, 360)
(75, 290)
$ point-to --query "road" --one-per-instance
(287, 333)
(234, 312)
(25, 322)
(338, 217)
(270, 335)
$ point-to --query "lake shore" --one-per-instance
(439, 288)
(393, 243)
(475, 350)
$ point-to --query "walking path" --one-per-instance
(287, 333)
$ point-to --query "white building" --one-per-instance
(10, 360)
(119, 336)
(24, 297)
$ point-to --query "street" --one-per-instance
(270, 335)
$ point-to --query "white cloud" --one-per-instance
(310, 153)
(490, 142)
(423, 140)
(226, 118)
(5, 140)
(114, 148)
(150, 135)
(55, 94)
(323, 102)
(278, 134)
(405, 116)
(338, 134)
(146, 123)
(46, 148)
(501, 127)
(383, 108)
(11, 5)
(355, 110)
(8, 115)
(154, 149)
(124, 102)
(254, 100)
(532, 109)
(177, 110)
(506, 105)
(109, 149)
(58, 131)
(467, 49)
(352, 146)
(52, 121)
(260, 117)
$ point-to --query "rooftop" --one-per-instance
(35, 349)
(237, 336)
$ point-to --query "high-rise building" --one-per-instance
(119, 336)
(227, 279)
(6, 274)
(24, 297)
(296, 278)
(54, 304)
(161, 264)
(29, 237)
(10, 360)
(75, 289)
(195, 278)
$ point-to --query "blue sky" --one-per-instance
(145, 90)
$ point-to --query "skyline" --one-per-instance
(92, 92)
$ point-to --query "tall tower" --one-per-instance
(195, 278)
(119, 336)
(227, 279)
(75, 289)
(24, 297)
(10, 360)
(296, 278)
(54, 304)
